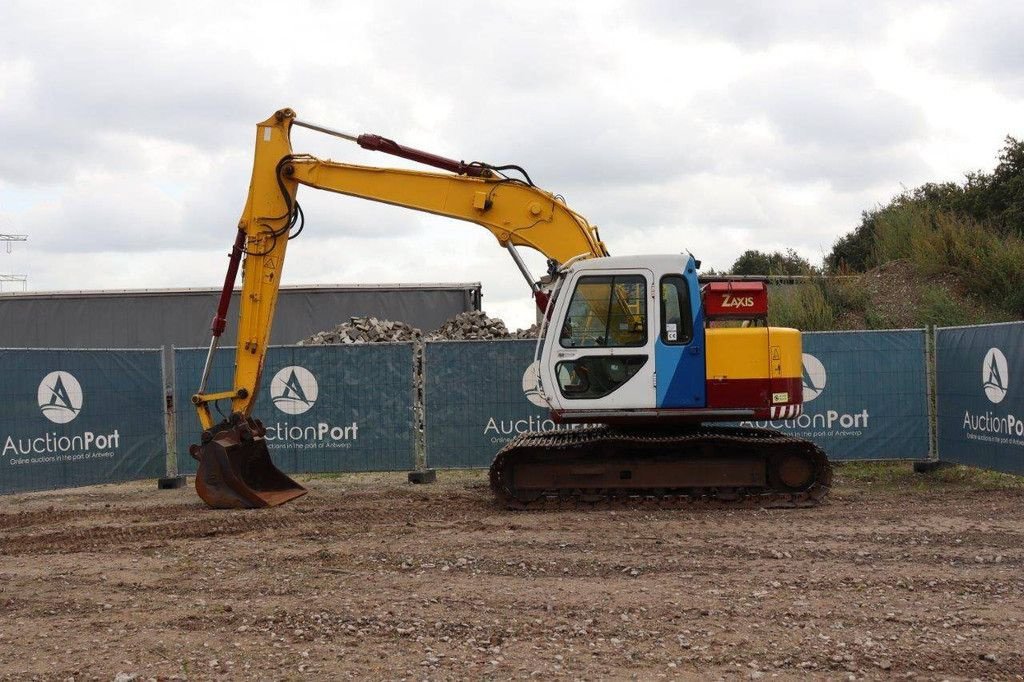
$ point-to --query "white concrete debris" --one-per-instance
(531, 332)
(364, 330)
(472, 325)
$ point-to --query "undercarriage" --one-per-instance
(703, 465)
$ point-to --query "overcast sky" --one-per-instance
(126, 129)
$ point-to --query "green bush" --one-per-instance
(899, 232)
(875, 319)
(938, 308)
(971, 233)
(989, 265)
(846, 294)
(802, 306)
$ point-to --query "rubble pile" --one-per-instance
(531, 332)
(473, 325)
(364, 330)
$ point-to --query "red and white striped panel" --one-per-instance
(786, 411)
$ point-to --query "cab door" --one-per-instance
(601, 353)
(679, 346)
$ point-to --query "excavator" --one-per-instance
(639, 356)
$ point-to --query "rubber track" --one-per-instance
(589, 441)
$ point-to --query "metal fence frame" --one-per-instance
(418, 381)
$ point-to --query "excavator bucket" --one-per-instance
(235, 470)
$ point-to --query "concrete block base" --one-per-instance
(929, 466)
(424, 476)
(172, 482)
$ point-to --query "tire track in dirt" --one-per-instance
(26, 519)
(105, 531)
(351, 580)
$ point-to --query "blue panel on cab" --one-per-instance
(681, 368)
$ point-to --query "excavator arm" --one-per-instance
(515, 211)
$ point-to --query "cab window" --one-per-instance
(595, 376)
(607, 311)
(676, 316)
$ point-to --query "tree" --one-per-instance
(854, 251)
(753, 262)
(1005, 189)
(994, 200)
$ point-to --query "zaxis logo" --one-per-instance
(60, 397)
(294, 390)
(814, 377)
(729, 301)
(994, 375)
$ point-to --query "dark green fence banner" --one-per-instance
(326, 408)
(979, 390)
(474, 402)
(80, 417)
(865, 395)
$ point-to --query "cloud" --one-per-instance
(811, 122)
(711, 126)
(835, 107)
(982, 40)
(762, 25)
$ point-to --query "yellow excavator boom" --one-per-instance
(515, 211)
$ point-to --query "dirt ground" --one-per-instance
(897, 576)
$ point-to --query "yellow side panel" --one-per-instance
(753, 353)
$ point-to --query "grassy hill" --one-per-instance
(894, 295)
(941, 254)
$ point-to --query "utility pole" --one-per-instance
(17, 279)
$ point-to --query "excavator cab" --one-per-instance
(235, 469)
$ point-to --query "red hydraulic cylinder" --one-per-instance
(235, 258)
(377, 143)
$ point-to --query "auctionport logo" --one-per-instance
(60, 401)
(994, 375)
(991, 427)
(60, 397)
(814, 378)
(294, 390)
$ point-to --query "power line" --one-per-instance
(20, 279)
(12, 238)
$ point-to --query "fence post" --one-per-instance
(421, 473)
(933, 462)
(171, 478)
(929, 345)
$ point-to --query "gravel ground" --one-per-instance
(368, 577)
